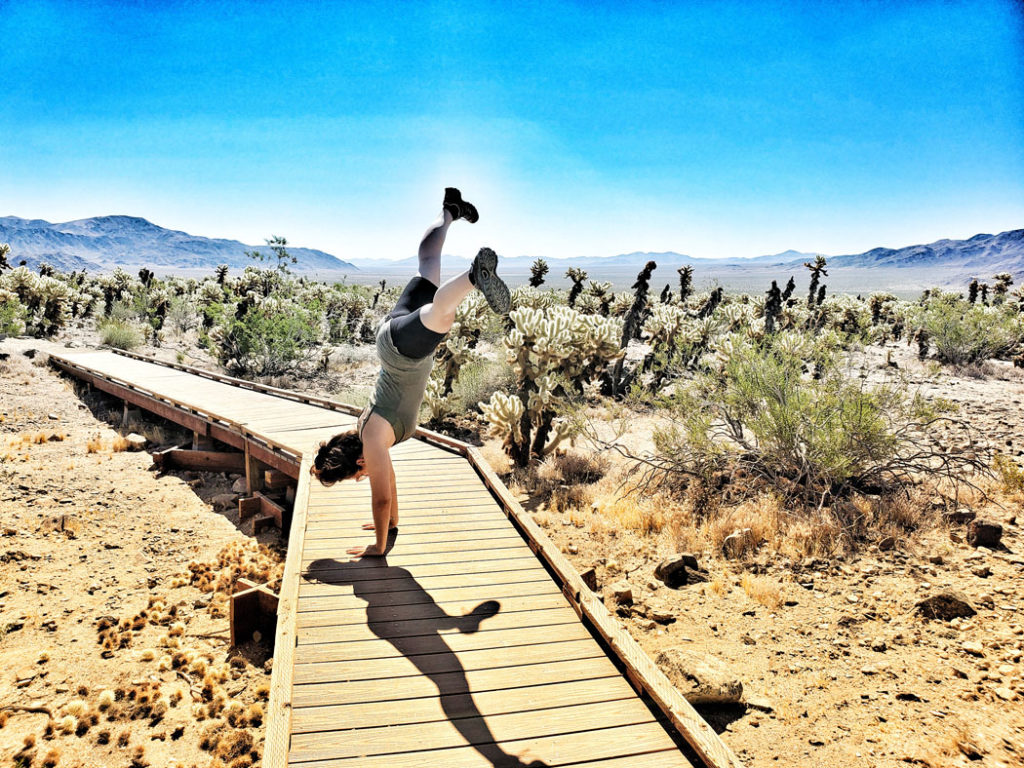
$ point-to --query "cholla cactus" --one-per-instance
(553, 353)
(505, 414)
(440, 404)
(525, 296)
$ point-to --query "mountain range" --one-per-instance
(102, 243)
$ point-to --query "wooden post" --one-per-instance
(275, 478)
(201, 441)
(253, 608)
(253, 475)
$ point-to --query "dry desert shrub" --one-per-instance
(119, 445)
(644, 514)
(764, 591)
(495, 456)
(762, 515)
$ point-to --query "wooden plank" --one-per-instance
(451, 496)
(418, 524)
(453, 551)
(225, 416)
(356, 535)
(439, 708)
(427, 736)
(412, 594)
(434, 584)
(206, 461)
(375, 648)
(630, 746)
(279, 707)
(444, 661)
(339, 563)
(393, 629)
(332, 573)
(366, 688)
(447, 615)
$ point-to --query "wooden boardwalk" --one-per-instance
(473, 643)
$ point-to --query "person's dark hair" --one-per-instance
(336, 459)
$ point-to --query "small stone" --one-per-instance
(52, 416)
(224, 500)
(680, 570)
(960, 516)
(136, 442)
(982, 571)
(945, 606)
(239, 486)
(878, 645)
(973, 647)
(738, 543)
(886, 544)
(760, 703)
(984, 533)
(1004, 693)
(700, 677)
(622, 592)
(660, 612)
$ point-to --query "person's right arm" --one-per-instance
(377, 438)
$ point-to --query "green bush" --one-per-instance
(119, 334)
(961, 333)
(12, 314)
(764, 414)
(480, 379)
(271, 338)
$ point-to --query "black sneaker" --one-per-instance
(459, 208)
(483, 275)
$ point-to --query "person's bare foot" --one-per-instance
(371, 527)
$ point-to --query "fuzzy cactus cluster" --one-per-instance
(554, 353)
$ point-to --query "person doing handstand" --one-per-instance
(406, 341)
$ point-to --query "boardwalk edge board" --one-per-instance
(639, 669)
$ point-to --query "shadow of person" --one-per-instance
(426, 648)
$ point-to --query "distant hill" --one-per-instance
(102, 243)
(982, 255)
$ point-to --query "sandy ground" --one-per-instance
(96, 593)
(837, 668)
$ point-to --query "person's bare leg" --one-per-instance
(430, 248)
(439, 315)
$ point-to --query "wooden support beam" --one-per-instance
(206, 461)
(267, 508)
(253, 470)
(201, 441)
(253, 608)
(274, 478)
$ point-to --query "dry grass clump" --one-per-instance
(120, 445)
(762, 515)
(94, 445)
(1009, 472)
(764, 591)
(52, 759)
(237, 560)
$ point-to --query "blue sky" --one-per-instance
(717, 129)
